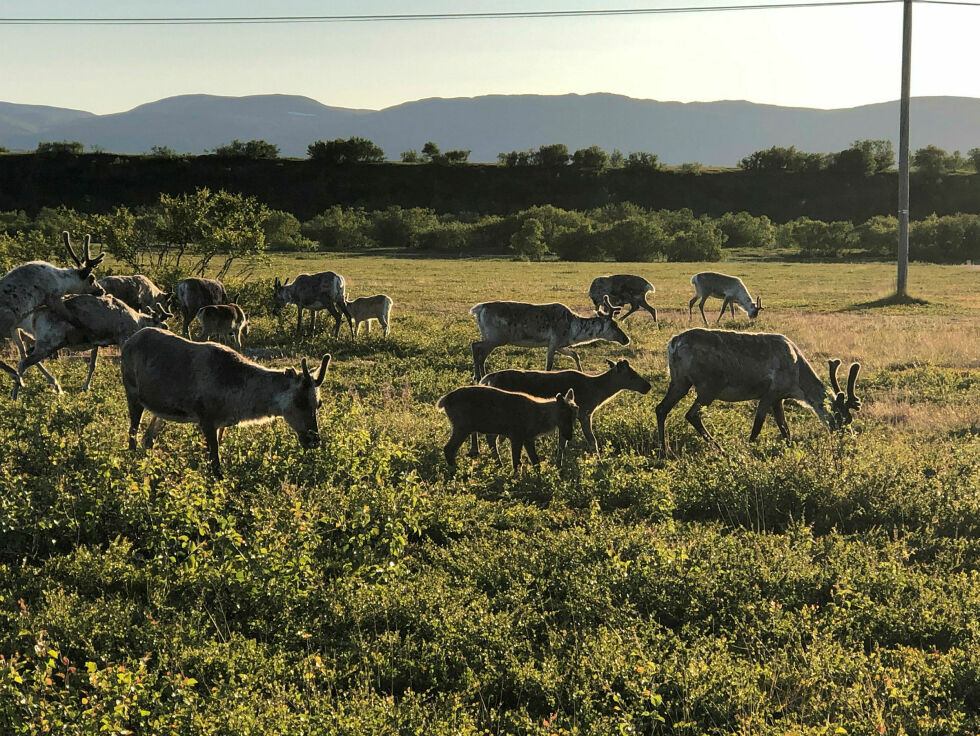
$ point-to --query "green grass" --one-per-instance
(360, 588)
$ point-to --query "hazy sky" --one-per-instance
(826, 57)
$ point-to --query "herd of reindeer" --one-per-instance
(214, 386)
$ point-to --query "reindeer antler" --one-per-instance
(67, 240)
(834, 364)
(853, 402)
(322, 373)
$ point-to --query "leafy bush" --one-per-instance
(702, 241)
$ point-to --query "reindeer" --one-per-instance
(737, 366)
(33, 285)
(366, 308)
(729, 289)
(554, 326)
(317, 291)
(137, 291)
(213, 386)
(517, 416)
(192, 294)
(223, 320)
(591, 392)
(104, 321)
(623, 289)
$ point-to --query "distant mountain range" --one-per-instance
(714, 133)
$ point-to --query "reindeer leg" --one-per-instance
(532, 453)
(385, 325)
(693, 417)
(549, 360)
(591, 444)
(35, 358)
(731, 305)
(675, 392)
(690, 308)
(480, 355)
(135, 415)
(152, 432)
(93, 358)
(780, 417)
(494, 449)
(515, 452)
(336, 320)
(211, 437)
(651, 310)
(760, 418)
(474, 445)
(13, 374)
(701, 307)
(571, 354)
(724, 306)
(299, 321)
(313, 322)
(452, 447)
(633, 308)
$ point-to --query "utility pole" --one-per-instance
(903, 155)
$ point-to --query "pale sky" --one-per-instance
(823, 57)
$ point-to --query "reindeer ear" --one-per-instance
(570, 396)
(611, 363)
(322, 373)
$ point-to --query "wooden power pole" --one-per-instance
(903, 155)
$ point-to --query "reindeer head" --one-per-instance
(86, 283)
(278, 296)
(626, 377)
(567, 415)
(610, 329)
(754, 309)
(304, 400)
(160, 316)
(842, 405)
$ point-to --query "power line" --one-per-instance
(501, 15)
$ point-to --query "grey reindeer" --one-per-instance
(729, 289)
(137, 291)
(591, 392)
(226, 321)
(97, 321)
(554, 326)
(192, 294)
(37, 284)
(325, 290)
(519, 417)
(214, 387)
(732, 366)
(623, 289)
(365, 308)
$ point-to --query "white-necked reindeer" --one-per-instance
(37, 284)
(554, 326)
(97, 321)
(732, 366)
(729, 289)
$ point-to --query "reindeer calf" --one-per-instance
(729, 289)
(223, 320)
(519, 417)
(591, 392)
(366, 308)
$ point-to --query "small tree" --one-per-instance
(616, 159)
(411, 156)
(430, 152)
(253, 149)
(973, 156)
(456, 156)
(162, 152)
(592, 159)
(59, 148)
(528, 242)
(554, 156)
(350, 151)
(642, 160)
(933, 162)
(516, 158)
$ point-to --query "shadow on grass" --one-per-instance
(892, 300)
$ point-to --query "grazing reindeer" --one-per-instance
(324, 290)
(623, 289)
(137, 291)
(591, 392)
(729, 289)
(737, 366)
(213, 386)
(554, 326)
(223, 320)
(518, 417)
(192, 294)
(33, 285)
(105, 321)
(366, 308)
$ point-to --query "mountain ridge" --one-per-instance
(715, 133)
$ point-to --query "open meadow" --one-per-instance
(828, 586)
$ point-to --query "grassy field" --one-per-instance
(826, 587)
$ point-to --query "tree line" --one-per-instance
(863, 158)
(188, 233)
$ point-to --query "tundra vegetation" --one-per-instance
(358, 587)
